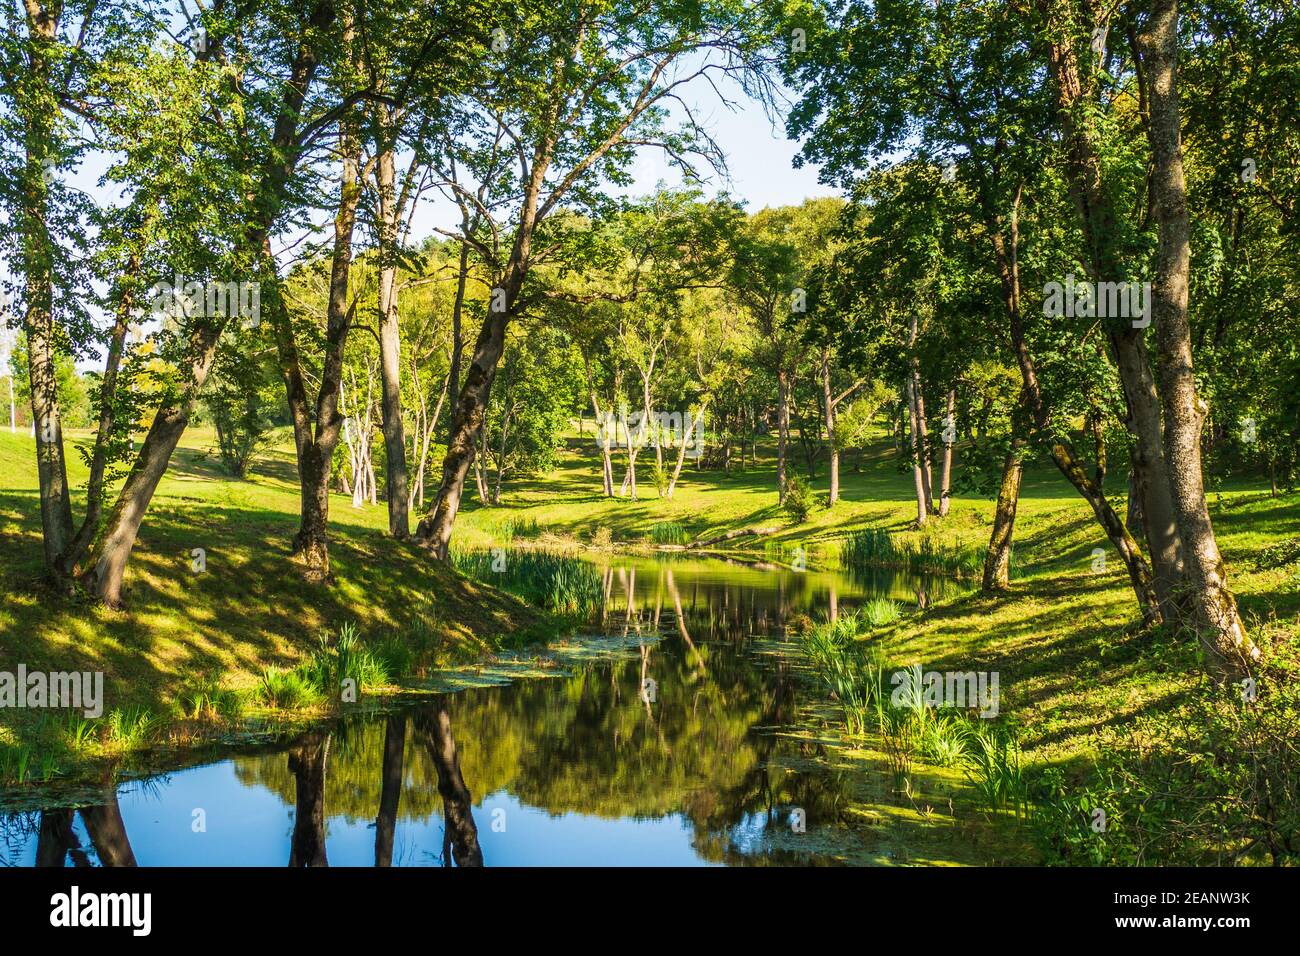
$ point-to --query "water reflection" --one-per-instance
(668, 753)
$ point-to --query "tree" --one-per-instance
(1228, 650)
(260, 134)
(577, 91)
(950, 80)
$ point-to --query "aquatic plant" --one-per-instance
(945, 740)
(877, 548)
(206, 699)
(993, 765)
(557, 582)
(346, 659)
(129, 726)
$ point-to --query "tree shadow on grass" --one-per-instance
(245, 609)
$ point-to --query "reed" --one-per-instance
(876, 548)
(669, 532)
(556, 582)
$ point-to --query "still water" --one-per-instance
(664, 737)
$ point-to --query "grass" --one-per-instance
(287, 690)
(669, 532)
(907, 727)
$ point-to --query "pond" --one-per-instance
(679, 731)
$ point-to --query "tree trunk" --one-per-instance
(315, 443)
(390, 364)
(828, 405)
(106, 565)
(922, 438)
(457, 311)
(434, 531)
(945, 477)
(1098, 219)
(1005, 238)
(997, 561)
(916, 398)
(1228, 650)
(99, 457)
(693, 422)
(918, 477)
(107, 561)
(51, 468)
(1134, 520)
(783, 386)
(38, 320)
(501, 458)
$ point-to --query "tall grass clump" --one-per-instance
(876, 548)
(879, 612)
(669, 532)
(517, 526)
(206, 699)
(16, 763)
(287, 690)
(129, 726)
(323, 675)
(846, 667)
(993, 766)
(557, 582)
(346, 659)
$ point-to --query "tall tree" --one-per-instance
(575, 90)
(1229, 651)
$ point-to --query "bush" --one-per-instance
(799, 499)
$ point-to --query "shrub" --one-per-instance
(799, 499)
